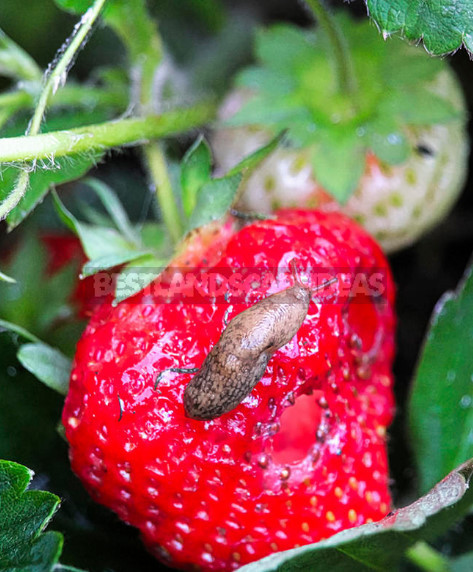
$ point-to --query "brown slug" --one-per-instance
(238, 360)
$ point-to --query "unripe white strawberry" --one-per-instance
(396, 203)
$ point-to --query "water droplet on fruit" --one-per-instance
(285, 473)
(466, 401)
(207, 557)
(263, 461)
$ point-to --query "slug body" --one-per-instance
(239, 359)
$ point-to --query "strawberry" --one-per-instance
(302, 457)
(395, 159)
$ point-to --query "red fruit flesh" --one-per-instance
(301, 458)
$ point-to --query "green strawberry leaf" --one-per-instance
(387, 142)
(382, 545)
(36, 309)
(338, 163)
(97, 241)
(251, 161)
(114, 208)
(284, 48)
(41, 181)
(266, 80)
(16, 329)
(15, 62)
(279, 112)
(214, 200)
(418, 107)
(23, 516)
(48, 364)
(137, 276)
(442, 26)
(441, 404)
(153, 235)
(110, 261)
(196, 167)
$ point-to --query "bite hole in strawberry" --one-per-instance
(298, 429)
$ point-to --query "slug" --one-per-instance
(238, 360)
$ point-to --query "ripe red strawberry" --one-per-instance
(301, 458)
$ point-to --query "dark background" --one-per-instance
(94, 538)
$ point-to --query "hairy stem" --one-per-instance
(73, 96)
(103, 136)
(58, 74)
(341, 53)
(427, 558)
(54, 78)
(156, 163)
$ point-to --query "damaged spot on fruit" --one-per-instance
(298, 423)
(425, 150)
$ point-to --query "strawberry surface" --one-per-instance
(301, 458)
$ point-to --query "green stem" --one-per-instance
(69, 96)
(73, 95)
(159, 173)
(57, 76)
(103, 136)
(427, 558)
(344, 67)
(149, 53)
